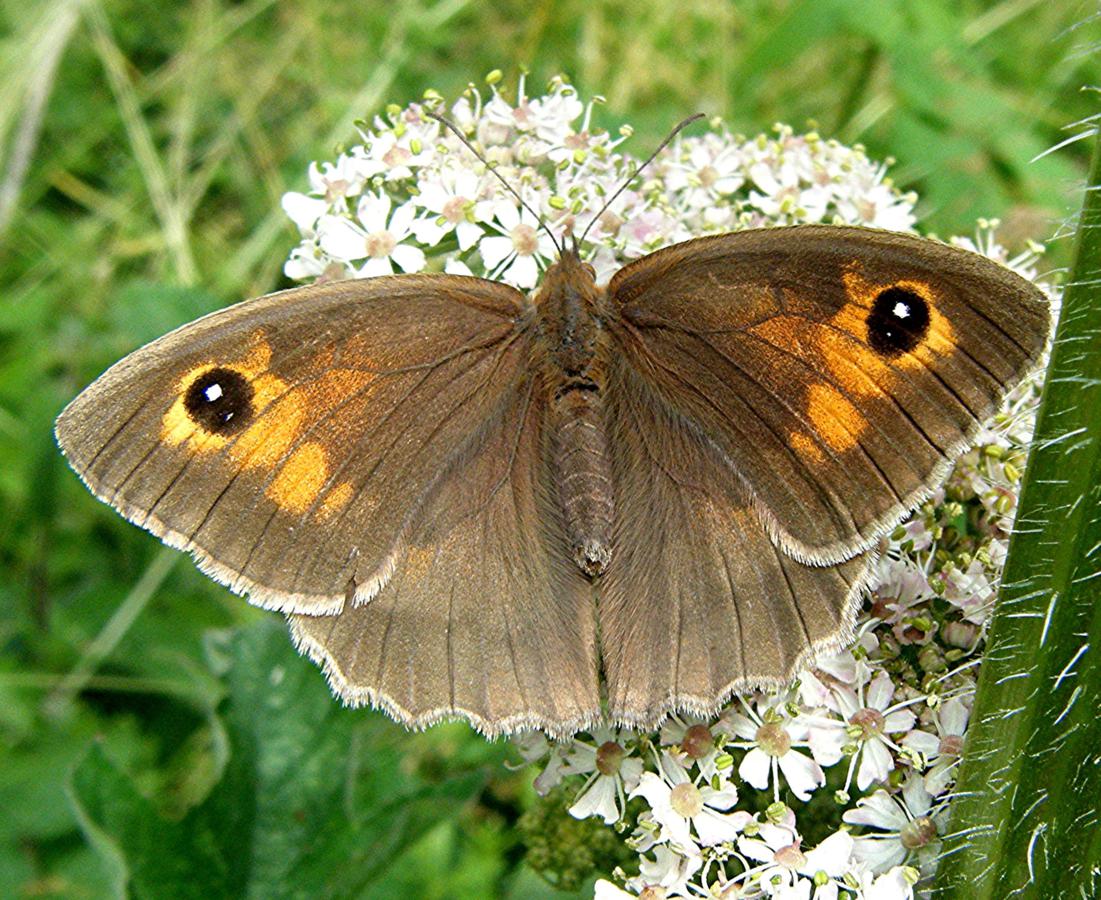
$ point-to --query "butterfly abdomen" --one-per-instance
(583, 476)
(574, 350)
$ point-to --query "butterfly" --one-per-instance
(594, 503)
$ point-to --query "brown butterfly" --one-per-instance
(589, 504)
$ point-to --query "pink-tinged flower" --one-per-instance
(906, 822)
(331, 184)
(681, 807)
(375, 236)
(774, 742)
(941, 750)
(645, 232)
(611, 771)
(451, 198)
(705, 170)
(521, 249)
(395, 153)
(784, 194)
(970, 591)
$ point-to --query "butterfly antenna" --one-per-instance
(626, 181)
(501, 178)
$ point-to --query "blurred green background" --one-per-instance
(156, 731)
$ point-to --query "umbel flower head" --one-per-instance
(837, 785)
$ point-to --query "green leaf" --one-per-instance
(300, 810)
(1025, 821)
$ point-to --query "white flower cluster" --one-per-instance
(411, 197)
(717, 807)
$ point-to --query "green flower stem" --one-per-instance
(1025, 822)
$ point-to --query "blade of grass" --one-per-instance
(169, 210)
(131, 607)
(59, 22)
(1025, 821)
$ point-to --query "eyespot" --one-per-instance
(898, 321)
(219, 401)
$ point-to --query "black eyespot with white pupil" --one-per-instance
(898, 322)
(219, 401)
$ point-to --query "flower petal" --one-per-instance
(802, 774)
(756, 768)
(408, 257)
(599, 799)
(341, 239)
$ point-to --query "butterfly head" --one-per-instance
(569, 276)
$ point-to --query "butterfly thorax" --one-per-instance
(573, 342)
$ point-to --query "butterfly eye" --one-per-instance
(219, 401)
(588, 268)
(899, 320)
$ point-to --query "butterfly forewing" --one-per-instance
(838, 370)
(288, 441)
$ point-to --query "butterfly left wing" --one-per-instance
(286, 441)
(838, 370)
(698, 602)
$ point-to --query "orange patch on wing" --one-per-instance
(833, 417)
(857, 369)
(335, 500)
(282, 414)
(805, 446)
(300, 479)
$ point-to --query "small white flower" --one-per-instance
(611, 771)
(895, 884)
(942, 749)
(774, 741)
(681, 807)
(451, 197)
(533, 747)
(906, 823)
(521, 249)
(307, 261)
(706, 170)
(375, 236)
(669, 872)
(871, 722)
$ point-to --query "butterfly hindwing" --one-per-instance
(838, 370)
(288, 441)
(486, 615)
(699, 601)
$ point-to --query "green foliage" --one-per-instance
(143, 150)
(569, 852)
(1026, 821)
(298, 809)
